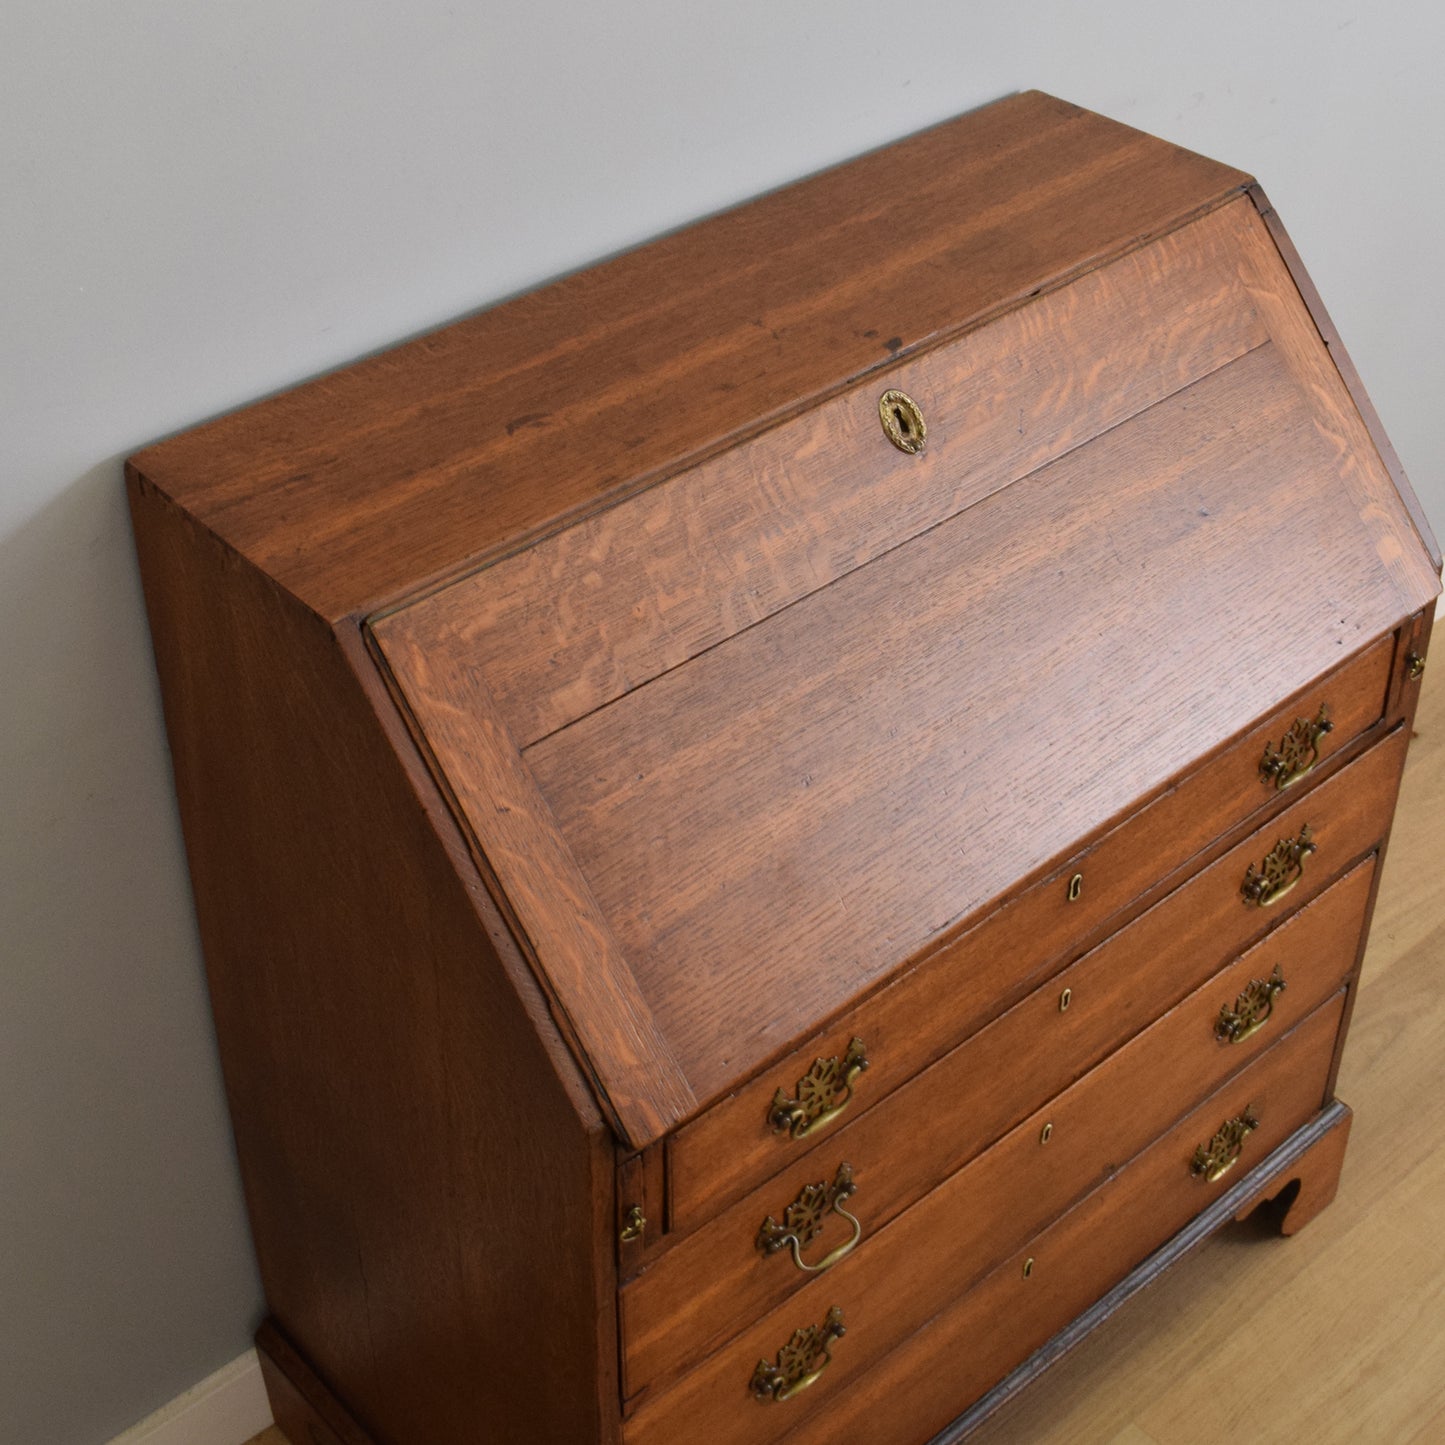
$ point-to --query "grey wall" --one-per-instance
(205, 202)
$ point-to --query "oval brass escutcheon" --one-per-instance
(903, 423)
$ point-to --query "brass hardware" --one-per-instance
(804, 1218)
(902, 421)
(1414, 665)
(1046, 1133)
(1251, 1009)
(823, 1093)
(633, 1225)
(1028, 1266)
(1298, 752)
(1280, 871)
(1214, 1160)
(1065, 999)
(800, 1361)
(1076, 887)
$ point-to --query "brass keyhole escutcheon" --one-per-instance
(1076, 887)
(903, 423)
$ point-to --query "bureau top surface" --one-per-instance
(366, 483)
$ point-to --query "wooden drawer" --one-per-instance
(716, 1280)
(938, 1249)
(951, 994)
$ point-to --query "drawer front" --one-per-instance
(718, 1279)
(766, 1126)
(991, 1211)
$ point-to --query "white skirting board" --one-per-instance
(226, 1408)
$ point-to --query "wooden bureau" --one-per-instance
(780, 824)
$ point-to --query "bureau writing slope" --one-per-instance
(779, 823)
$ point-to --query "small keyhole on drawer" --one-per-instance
(1076, 887)
(1065, 999)
(1046, 1133)
(902, 421)
(1028, 1266)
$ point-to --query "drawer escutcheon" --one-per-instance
(1298, 752)
(1280, 871)
(1215, 1159)
(822, 1093)
(804, 1218)
(799, 1362)
(1251, 1009)
(903, 422)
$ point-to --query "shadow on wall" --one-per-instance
(120, 1205)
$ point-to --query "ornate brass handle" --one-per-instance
(1251, 1009)
(1298, 752)
(1280, 871)
(823, 1093)
(1215, 1159)
(799, 1362)
(803, 1222)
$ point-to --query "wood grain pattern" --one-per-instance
(593, 990)
(407, 1121)
(1314, 303)
(716, 1281)
(1381, 510)
(351, 489)
(976, 974)
(929, 754)
(594, 611)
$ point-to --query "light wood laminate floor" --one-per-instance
(1338, 1334)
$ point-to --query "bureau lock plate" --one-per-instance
(903, 423)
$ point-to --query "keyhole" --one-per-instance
(902, 421)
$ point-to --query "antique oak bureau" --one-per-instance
(780, 823)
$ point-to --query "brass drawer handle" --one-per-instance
(1214, 1160)
(823, 1093)
(1280, 871)
(804, 1218)
(1298, 752)
(799, 1362)
(1251, 1009)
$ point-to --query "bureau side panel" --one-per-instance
(428, 1180)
